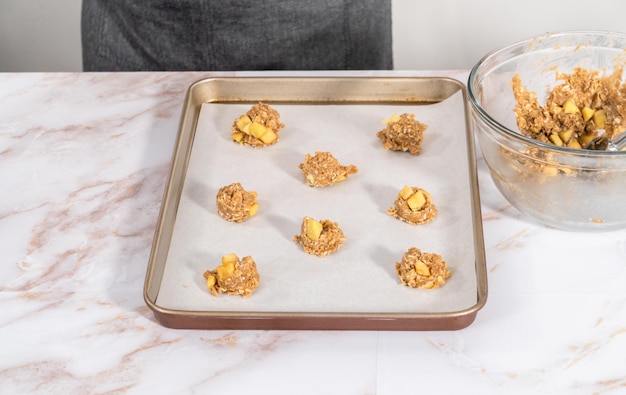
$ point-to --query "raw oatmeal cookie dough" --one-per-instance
(422, 269)
(233, 276)
(235, 204)
(258, 127)
(584, 111)
(322, 170)
(413, 205)
(319, 237)
(403, 133)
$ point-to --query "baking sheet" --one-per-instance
(360, 277)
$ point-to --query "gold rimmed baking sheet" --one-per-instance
(356, 287)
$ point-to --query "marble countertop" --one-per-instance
(83, 162)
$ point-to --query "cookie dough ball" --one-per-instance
(403, 133)
(422, 269)
(235, 204)
(233, 276)
(258, 127)
(319, 237)
(413, 205)
(322, 170)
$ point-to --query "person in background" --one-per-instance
(222, 35)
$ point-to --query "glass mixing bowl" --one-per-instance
(565, 188)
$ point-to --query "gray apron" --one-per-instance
(178, 35)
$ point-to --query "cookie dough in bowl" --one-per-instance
(541, 159)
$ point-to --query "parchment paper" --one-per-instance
(360, 277)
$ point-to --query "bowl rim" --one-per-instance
(516, 134)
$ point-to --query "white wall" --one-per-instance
(44, 35)
(40, 35)
(455, 34)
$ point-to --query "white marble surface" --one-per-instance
(83, 161)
